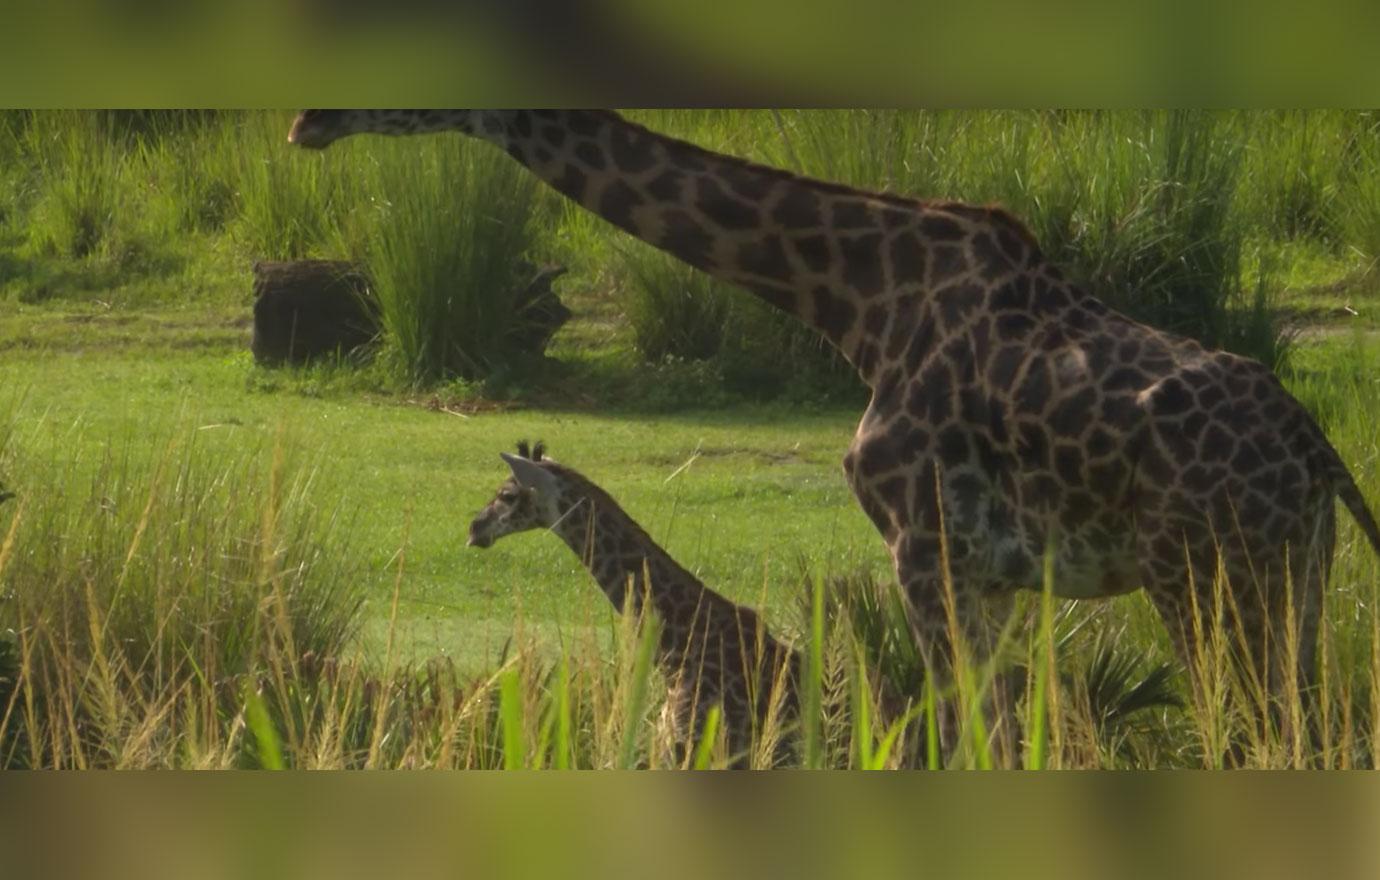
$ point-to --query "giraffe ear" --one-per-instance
(529, 474)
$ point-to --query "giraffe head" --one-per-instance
(529, 499)
(318, 129)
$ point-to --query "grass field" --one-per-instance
(736, 495)
(213, 514)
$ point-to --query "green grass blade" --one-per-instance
(931, 705)
(563, 744)
(1038, 733)
(268, 745)
(511, 711)
(814, 680)
(704, 751)
(638, 687)
(862, 714)
(893, 735)
(977, 721)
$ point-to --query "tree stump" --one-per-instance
(305, 309)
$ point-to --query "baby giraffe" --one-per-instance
(712, 651)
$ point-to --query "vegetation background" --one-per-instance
(209, 563)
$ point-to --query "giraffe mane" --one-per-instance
(995, 212)
(601, 500)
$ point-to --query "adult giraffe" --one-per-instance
(1010, 410)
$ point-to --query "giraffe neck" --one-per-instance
(882, 278)
(815, 250)
(748, 225)
(619, 554)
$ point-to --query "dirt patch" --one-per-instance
(97, 331)
(1332, 331)
(91, 319)
(464, 408)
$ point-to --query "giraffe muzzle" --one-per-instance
(478, 539)
(305, 134)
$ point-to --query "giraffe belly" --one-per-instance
(1078, 573)
(1009, 555)
(1096, 574)
(1094, 562)
(996, 523)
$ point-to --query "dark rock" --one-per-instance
(305, 309)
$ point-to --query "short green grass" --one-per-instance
(739, 495)
(1168, 214)
(124, 338)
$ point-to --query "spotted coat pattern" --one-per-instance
(1011, 412)
(711, 650)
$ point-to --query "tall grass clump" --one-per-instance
(86, 205)
(288, 199)
(1294, 169)
(90, 200)
(1173, 254)
(443, 228)
(145, 592)
(192, 169)
(1358, 199)
(17, 183)
(980, 156)
(676, 311)
(1141, 208)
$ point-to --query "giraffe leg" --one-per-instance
(1309, 622)
(1245, 627)
(930, 628)
(1296, 616)
(1212, 623)
(1202, 642)
(1004, 685)
(1278, 593)
(955, 629)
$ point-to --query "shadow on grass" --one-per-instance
(610, 383)
(38, 279)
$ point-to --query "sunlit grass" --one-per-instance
(228, 654)
(1161, 213)
(179, 574)
(443, 234)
